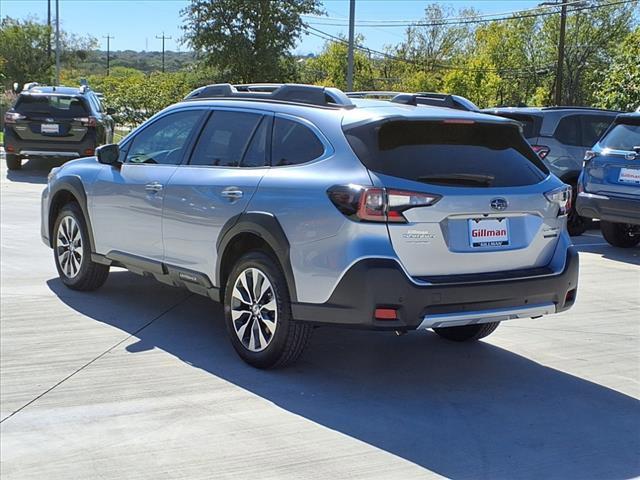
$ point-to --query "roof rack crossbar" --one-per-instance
(288, 92)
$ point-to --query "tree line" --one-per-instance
(509, 61)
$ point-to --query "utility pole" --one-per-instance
(163, 39)
(559, 67)
(108, 37)
(49, 29)
(352, 15)
(57, 42)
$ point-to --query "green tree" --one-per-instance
(23, 52)
(246, 39)
(329, 68)
(620, 87)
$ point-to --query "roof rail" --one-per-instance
(372, 94)
(30, 85)
(566, 107)
(436, 100)
(288, 92)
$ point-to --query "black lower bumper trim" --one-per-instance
(375, 283)
(619, 210)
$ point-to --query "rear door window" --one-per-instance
(225, 138)
(530, 124)
(51, 105)
(593, 126)
(463, 155)
(568, 131)
(294, 143)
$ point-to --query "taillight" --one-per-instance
(13, 117)
(87, 121)
(541, 150)
(561, 196)
(376, 204)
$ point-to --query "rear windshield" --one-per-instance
(54, 105)
(622, 137)
(465, 155)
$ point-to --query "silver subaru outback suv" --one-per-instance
(297, 206)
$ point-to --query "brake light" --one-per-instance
(541, 150)
(13, 117)
(87, 121)
(376, 204)
(562, 197)
(459, 121)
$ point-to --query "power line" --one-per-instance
(412, 21)
(327, 36)
(470, 21)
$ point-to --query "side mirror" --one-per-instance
(111, 111)
(108, 154)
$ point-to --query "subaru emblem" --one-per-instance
(631, 156)
(499, 204)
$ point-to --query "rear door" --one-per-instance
(225, 168)
(616, 171)
(492, 215)
(51, 118)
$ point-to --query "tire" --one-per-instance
(576, 225)
(620, 234)
(76, 270)
(467, 332)
(262, 330)
(14, 162)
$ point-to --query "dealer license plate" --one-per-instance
(488, 232)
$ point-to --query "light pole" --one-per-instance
(57, 42)
(352, 14)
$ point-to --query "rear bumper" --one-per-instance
(47, 149)
(611, 209)
(381, 283)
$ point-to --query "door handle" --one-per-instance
(153, 187)
(232, 193)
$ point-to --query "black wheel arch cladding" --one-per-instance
(267, 228)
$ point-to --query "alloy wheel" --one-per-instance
(254, 311)
(69, 248)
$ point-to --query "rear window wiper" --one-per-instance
(470, 179)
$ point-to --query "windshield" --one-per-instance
(465, 155)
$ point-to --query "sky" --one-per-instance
(135, 24)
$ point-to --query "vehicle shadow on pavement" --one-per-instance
(626, 255)
(33, 171)
(461, 410)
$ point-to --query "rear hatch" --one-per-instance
(51, 118)
(491, 212)
(615, 168)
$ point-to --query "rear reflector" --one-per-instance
(386, 314)
(89, 151)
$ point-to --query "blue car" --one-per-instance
(609, 186)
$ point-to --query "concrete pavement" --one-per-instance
(138, 380)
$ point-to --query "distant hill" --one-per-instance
(96, 60)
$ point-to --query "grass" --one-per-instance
(1, 138)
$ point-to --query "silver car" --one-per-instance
(301, 207)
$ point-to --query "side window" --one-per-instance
(593, 126)
(164, 141)
(294, 143)
(256, 154)
(568, 130)
(225, 138)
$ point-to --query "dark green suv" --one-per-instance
(55, 122)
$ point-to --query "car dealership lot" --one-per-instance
(139, 380)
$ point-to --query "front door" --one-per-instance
(126, 203)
